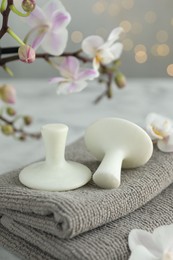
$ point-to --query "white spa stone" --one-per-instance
(55, 173)
(117, 143)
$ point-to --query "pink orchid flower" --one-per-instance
(73, 78)
(103, 52)
(49, 27)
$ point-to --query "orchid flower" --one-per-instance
(152, 246)
(73, 78)
(49, 27)
(160, 129)
(103, 52)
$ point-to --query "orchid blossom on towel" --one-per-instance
(49, 27)
(73, 78)
(103, 52)
(160, 129)
(152, 246)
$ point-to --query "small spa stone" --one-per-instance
(116, 143)
(55, 173)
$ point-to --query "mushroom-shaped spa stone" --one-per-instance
(117, 143)
(55, 173)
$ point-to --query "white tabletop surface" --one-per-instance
(39, 99)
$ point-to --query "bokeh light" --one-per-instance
(170, 70)
(162, 36)
(140, 47)
(76, 36)
(126, 25)
(163, 50)
(98, 7)
(141, 57)
(160, 50)
(127, 4)
(150, 17)
(172, 21)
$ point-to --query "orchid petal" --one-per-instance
(115, 34)
(158, 127)
(161, 121)
(55, 43)
(139, 237)
(96, 64)
(56, 80)
(60, 20)
(88, 74)
(163, 236)
(70, 67)
(166, 145)
(152, 134)
(142, 253)
(91, 44)
(116, 50)
(70, 87)
(106, 56)
(51, 6)
(36, 17)
(36, 37)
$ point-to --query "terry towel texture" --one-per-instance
(109, 242)
(42, 219)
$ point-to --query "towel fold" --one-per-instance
(38, 220)
(107, 242)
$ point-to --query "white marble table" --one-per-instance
(38, 98)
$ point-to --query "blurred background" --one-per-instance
(148, 37)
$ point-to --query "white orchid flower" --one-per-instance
(152, 246)
(160, 129)
(103, 52)
(73, 78)
(49, 27)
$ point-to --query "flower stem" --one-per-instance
(14, 9)
(3, 6)
(10, 32)
(8, 70)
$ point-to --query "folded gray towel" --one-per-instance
(107, 242)
(67, 214)
(41, 217)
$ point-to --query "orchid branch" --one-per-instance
(104, 70)
(8, 127)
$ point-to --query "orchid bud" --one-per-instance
(7, 129)
(27, 120)
(10, 111)
(22, 137)
(26, 54)
(8, 93)
(28, 5)
(120, 80)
